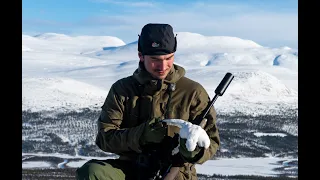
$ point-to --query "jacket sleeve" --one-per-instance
(199, 104)
(110, 137)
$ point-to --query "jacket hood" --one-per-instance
(143, 76)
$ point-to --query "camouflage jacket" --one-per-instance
(137, 98)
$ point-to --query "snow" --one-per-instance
(241, 166)
(197, 41)
(48, 93)
(62, 43)
(222, 166)
(269, 134)
(35, 164)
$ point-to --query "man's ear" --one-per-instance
(140, 56)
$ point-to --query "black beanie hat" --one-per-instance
(157, 39)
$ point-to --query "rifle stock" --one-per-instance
(173, 172)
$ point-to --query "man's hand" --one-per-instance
(154, 132)
(193, 138)
(189, 156)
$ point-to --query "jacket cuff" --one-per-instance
(134, 137)
(196, 158)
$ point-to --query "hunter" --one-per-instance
(130, 121)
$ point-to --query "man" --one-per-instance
(130, 121)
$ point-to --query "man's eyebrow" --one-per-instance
(170, 56)
(155, 57)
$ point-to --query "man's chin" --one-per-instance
(160, 76)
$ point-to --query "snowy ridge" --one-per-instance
(188, 40)
(53, 36)
(67, 44)
(196, 50)
(55, 93)
(252, 92)
(259, 84)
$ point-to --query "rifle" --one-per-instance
(219, 91)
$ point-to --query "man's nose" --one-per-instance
(162, 66)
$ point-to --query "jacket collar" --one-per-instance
(153, 85)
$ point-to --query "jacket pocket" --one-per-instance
(187, 172)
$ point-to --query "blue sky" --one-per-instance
(272, 23)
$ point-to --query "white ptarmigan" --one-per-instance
(194, 134)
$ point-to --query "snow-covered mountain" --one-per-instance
(61, 71)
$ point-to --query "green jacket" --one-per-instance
(135, 99)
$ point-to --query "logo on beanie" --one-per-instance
(154, 44)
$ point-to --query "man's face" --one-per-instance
(157, 65)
